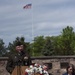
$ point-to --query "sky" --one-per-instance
(44, 18)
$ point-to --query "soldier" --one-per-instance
(18, 59)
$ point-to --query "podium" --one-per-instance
(19, 70)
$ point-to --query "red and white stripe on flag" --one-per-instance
(28, 6)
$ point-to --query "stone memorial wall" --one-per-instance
(57, 64)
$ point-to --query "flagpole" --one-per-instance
(32, 31)
(32, 26)
(28, 6)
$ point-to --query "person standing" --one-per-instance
(19, 59)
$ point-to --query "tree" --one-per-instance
(2, 48)
(48, 49)
(56, 45)
(37, 46)
(67, 41)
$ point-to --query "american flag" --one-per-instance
(28, 6)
